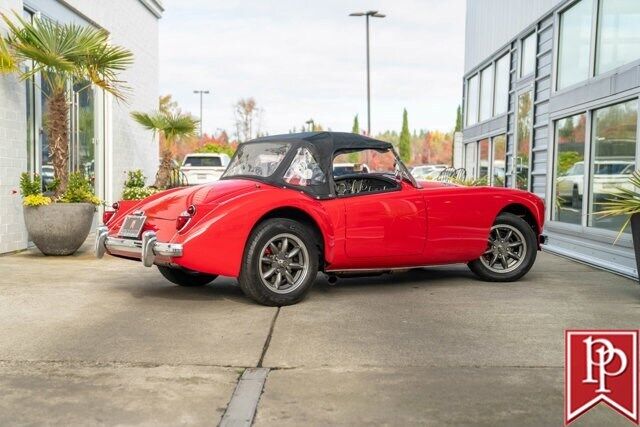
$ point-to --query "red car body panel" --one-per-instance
(438, 223)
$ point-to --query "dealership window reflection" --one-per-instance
(574, 43)
(498, 164)
(524, 130)
(569, 169)
(618, 34)
(472, 101)
(613, 158)
(528, 55)
(483, 159)
(486, 93)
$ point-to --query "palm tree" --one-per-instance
(62, 54)
(171, 127)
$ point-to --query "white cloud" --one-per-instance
(302, 59)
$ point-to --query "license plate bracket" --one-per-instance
(132, 226)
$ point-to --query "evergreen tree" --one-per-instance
(405, 139)
(356, 125)
(459, 119)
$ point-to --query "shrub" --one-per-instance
(30, 186)
(134, 188)
(217, 148)
(79, 190)
(36, 200)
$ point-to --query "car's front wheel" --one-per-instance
(185, 278)
(511, 250)
(280, 262)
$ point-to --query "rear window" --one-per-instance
(202, 161)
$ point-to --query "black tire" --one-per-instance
(186, 278)
(576, 202)
(250, 279)
(504, 223)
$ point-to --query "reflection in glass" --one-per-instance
(470, 159)
(472, 101)
(569, 169)
(46, 168)
(523, 143)
(260, 159)
(483, 159)
(618, 34)
(501, 99)
(528, 55)
(499, 156)
(613, 157)
(574, 42)
(83, 152)
(486, 92)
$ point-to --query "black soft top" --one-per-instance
(324, 146)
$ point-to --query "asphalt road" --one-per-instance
(109, 342)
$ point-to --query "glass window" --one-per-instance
(574, 43)
(206, 161)
(524, 130)
(257, 159)
(304, 170)
(613, 157)
(499, 156)
(470, 159)
(483, 159)
(569, 169)
(472, 101)
(486, 93)
(501, 98)
(618, 34)
(528, 55)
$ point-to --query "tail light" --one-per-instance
(185, 217)
(108, 214)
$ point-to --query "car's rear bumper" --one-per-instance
(145, 250)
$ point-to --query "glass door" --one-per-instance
(82, 141)
(524, 132)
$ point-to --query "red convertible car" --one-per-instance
(278, 216)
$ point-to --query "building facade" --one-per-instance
(104, 140)
(551, 92)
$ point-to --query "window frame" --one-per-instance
(514, 154)
(492, 83)
(507, 57)
(475, 75)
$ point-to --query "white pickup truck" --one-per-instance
(200, 168)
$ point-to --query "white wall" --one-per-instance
(13, 152)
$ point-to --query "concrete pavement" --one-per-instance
(104, 342)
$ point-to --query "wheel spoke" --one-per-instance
(509, 234)
(293, 252)
(488, 251)
(493, 260)
(285, 246)
(296, 266)
(278, 280)
(503, 261)
(514, 244)
(514, 255)
(289, 278)
(269, 273)
(266, 259)
(274, 248)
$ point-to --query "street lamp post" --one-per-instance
(374, 14)
(201, 92)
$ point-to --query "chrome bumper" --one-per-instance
(146, 249)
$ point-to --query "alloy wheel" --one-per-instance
(506, 251)
(284, 263)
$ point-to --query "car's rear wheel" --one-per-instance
(511, 250)
(185, 278)
(280, 262)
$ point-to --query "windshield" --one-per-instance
(257, 159)
(202, 161)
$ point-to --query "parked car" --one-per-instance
(607, 176)
(427, 172)
(200, 168)
(340, 169)
(279, 215)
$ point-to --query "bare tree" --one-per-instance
(247, 119)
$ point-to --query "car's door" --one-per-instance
(385, 224)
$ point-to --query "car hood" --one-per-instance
(169, 204)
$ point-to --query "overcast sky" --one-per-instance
(306, 59)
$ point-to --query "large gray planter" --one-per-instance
(59, 228)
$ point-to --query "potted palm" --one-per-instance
(171, 126)
(59, 55)
(626, 201)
